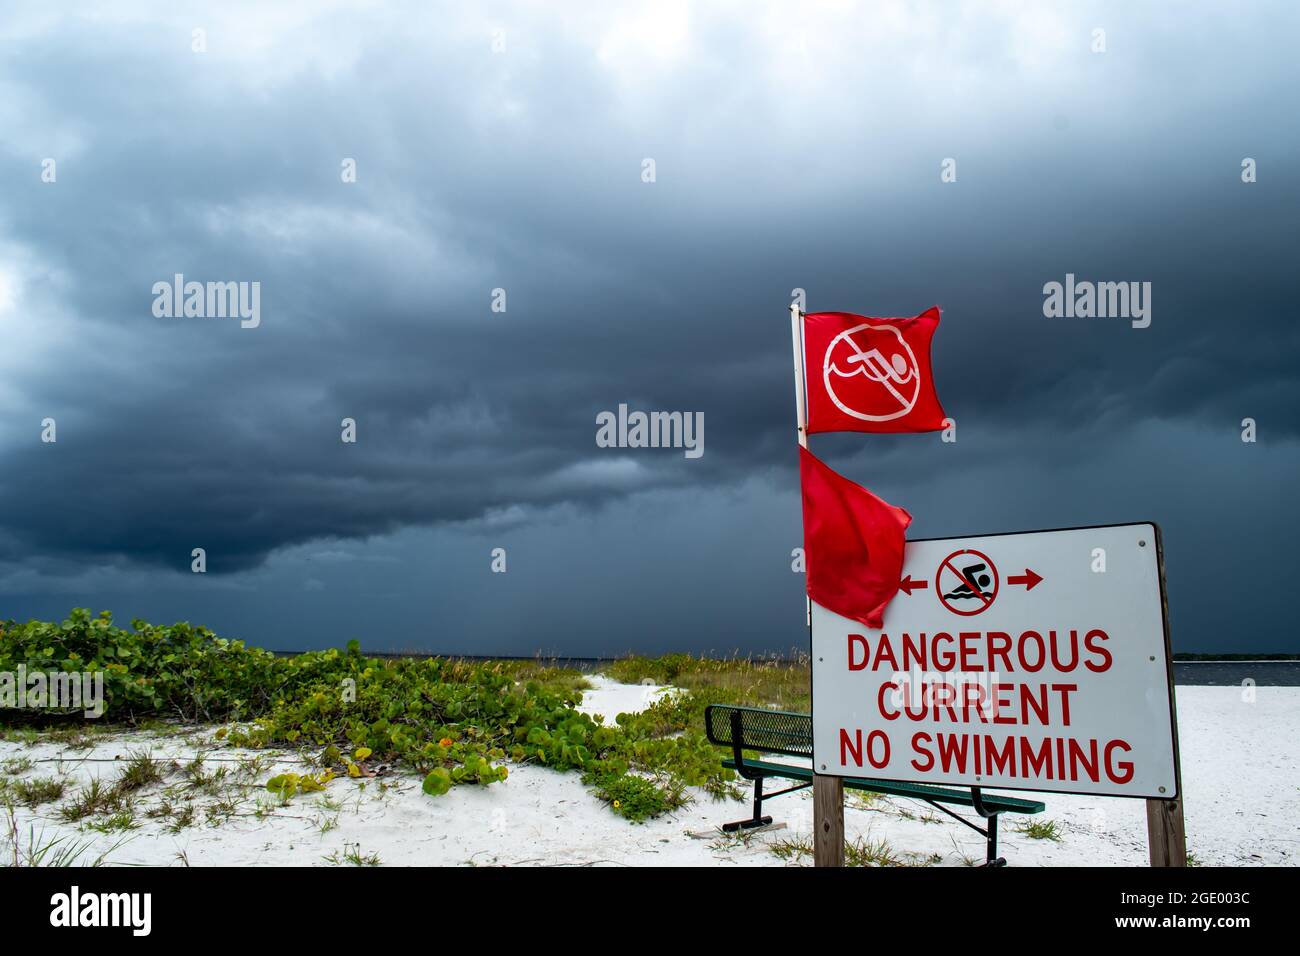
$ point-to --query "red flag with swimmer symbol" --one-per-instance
(870, 375)
(853, 543)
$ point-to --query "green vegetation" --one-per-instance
(859, 852)
(39, 850)
(352, 855)
(33, 793)
(1040, 830)
(634, 797)
(783, 685)
(668, 738)
(141, 770)
(121, 820)
(149, 671)
(16, 765)
(94, 799)
(453, 722)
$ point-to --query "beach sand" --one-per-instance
(1241, 772)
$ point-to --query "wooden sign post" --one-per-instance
(1165, 834)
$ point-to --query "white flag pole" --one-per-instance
(800, 401)
(800, 397)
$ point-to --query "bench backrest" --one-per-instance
(768, 731)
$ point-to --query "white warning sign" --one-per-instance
(1031, 661)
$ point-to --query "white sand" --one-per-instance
(1241, 767)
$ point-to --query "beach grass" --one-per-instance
(753, 681)
(453, 721)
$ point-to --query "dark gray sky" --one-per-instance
(796, 146)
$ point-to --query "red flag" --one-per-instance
(870, 375)
(852, 543)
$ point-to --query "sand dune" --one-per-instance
(1241, 763)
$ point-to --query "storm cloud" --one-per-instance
(503, 148)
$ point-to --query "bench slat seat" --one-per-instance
(894, 788)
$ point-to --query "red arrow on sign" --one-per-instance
(1028, 579)
(907, 585)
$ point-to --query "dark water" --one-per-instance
(1223, 673)
(1204, 673)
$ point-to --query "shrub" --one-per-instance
(452, 721)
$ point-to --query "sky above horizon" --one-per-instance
(503, 146)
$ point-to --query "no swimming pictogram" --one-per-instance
(967, 582)
(871, 373)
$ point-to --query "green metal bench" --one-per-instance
(783, 732)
